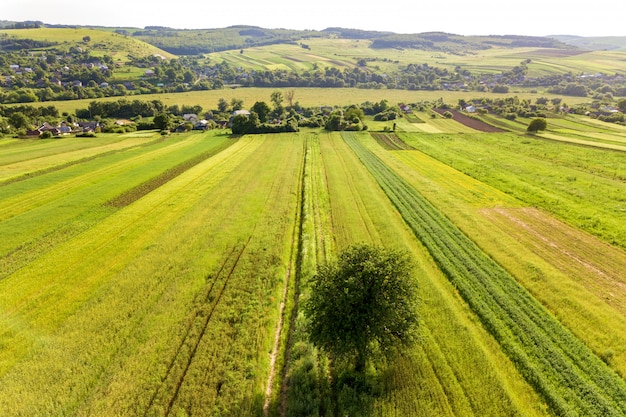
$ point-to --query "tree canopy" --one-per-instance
(363, 304)
(537, 124)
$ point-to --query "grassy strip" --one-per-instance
(33, 166)
(582, 186)
(284, 342)
(135, 193)
(40, 213)
(558, 365)
(222, 364)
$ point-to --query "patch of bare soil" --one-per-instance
(391, 142)
(470, 122)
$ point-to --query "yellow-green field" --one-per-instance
(101, 42)
(307, 97)
(156, 275)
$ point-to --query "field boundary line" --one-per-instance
(293, 271)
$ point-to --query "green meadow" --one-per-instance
(157, 275)
(101, 42)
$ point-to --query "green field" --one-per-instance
(102, 42)
(156, 275)
(345, 53)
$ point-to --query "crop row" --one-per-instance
(558, 365)
(153, 183)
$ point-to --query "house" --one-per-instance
(64, 129)
(470, 109)
(201, 125)
(87, 127)
(180, 128)
(238, 113)
(45, 127)
(33, 133)
(149, 73)
(609, 109)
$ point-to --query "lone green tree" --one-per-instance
(222, 105)
(537, 124)
(277, 99)
(364, 304)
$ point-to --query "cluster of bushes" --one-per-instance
(244, 124)
(512, 107)
(612, 118)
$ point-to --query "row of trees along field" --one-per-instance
(262, 118)
(154, 114)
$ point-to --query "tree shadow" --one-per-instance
(355, 393)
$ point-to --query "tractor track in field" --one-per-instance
(181, 379)
(391, 142)
(236, 254)
(293, 272)
(229, 265)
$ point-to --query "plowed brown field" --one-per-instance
(469, 122)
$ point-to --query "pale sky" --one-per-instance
(464, 17)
